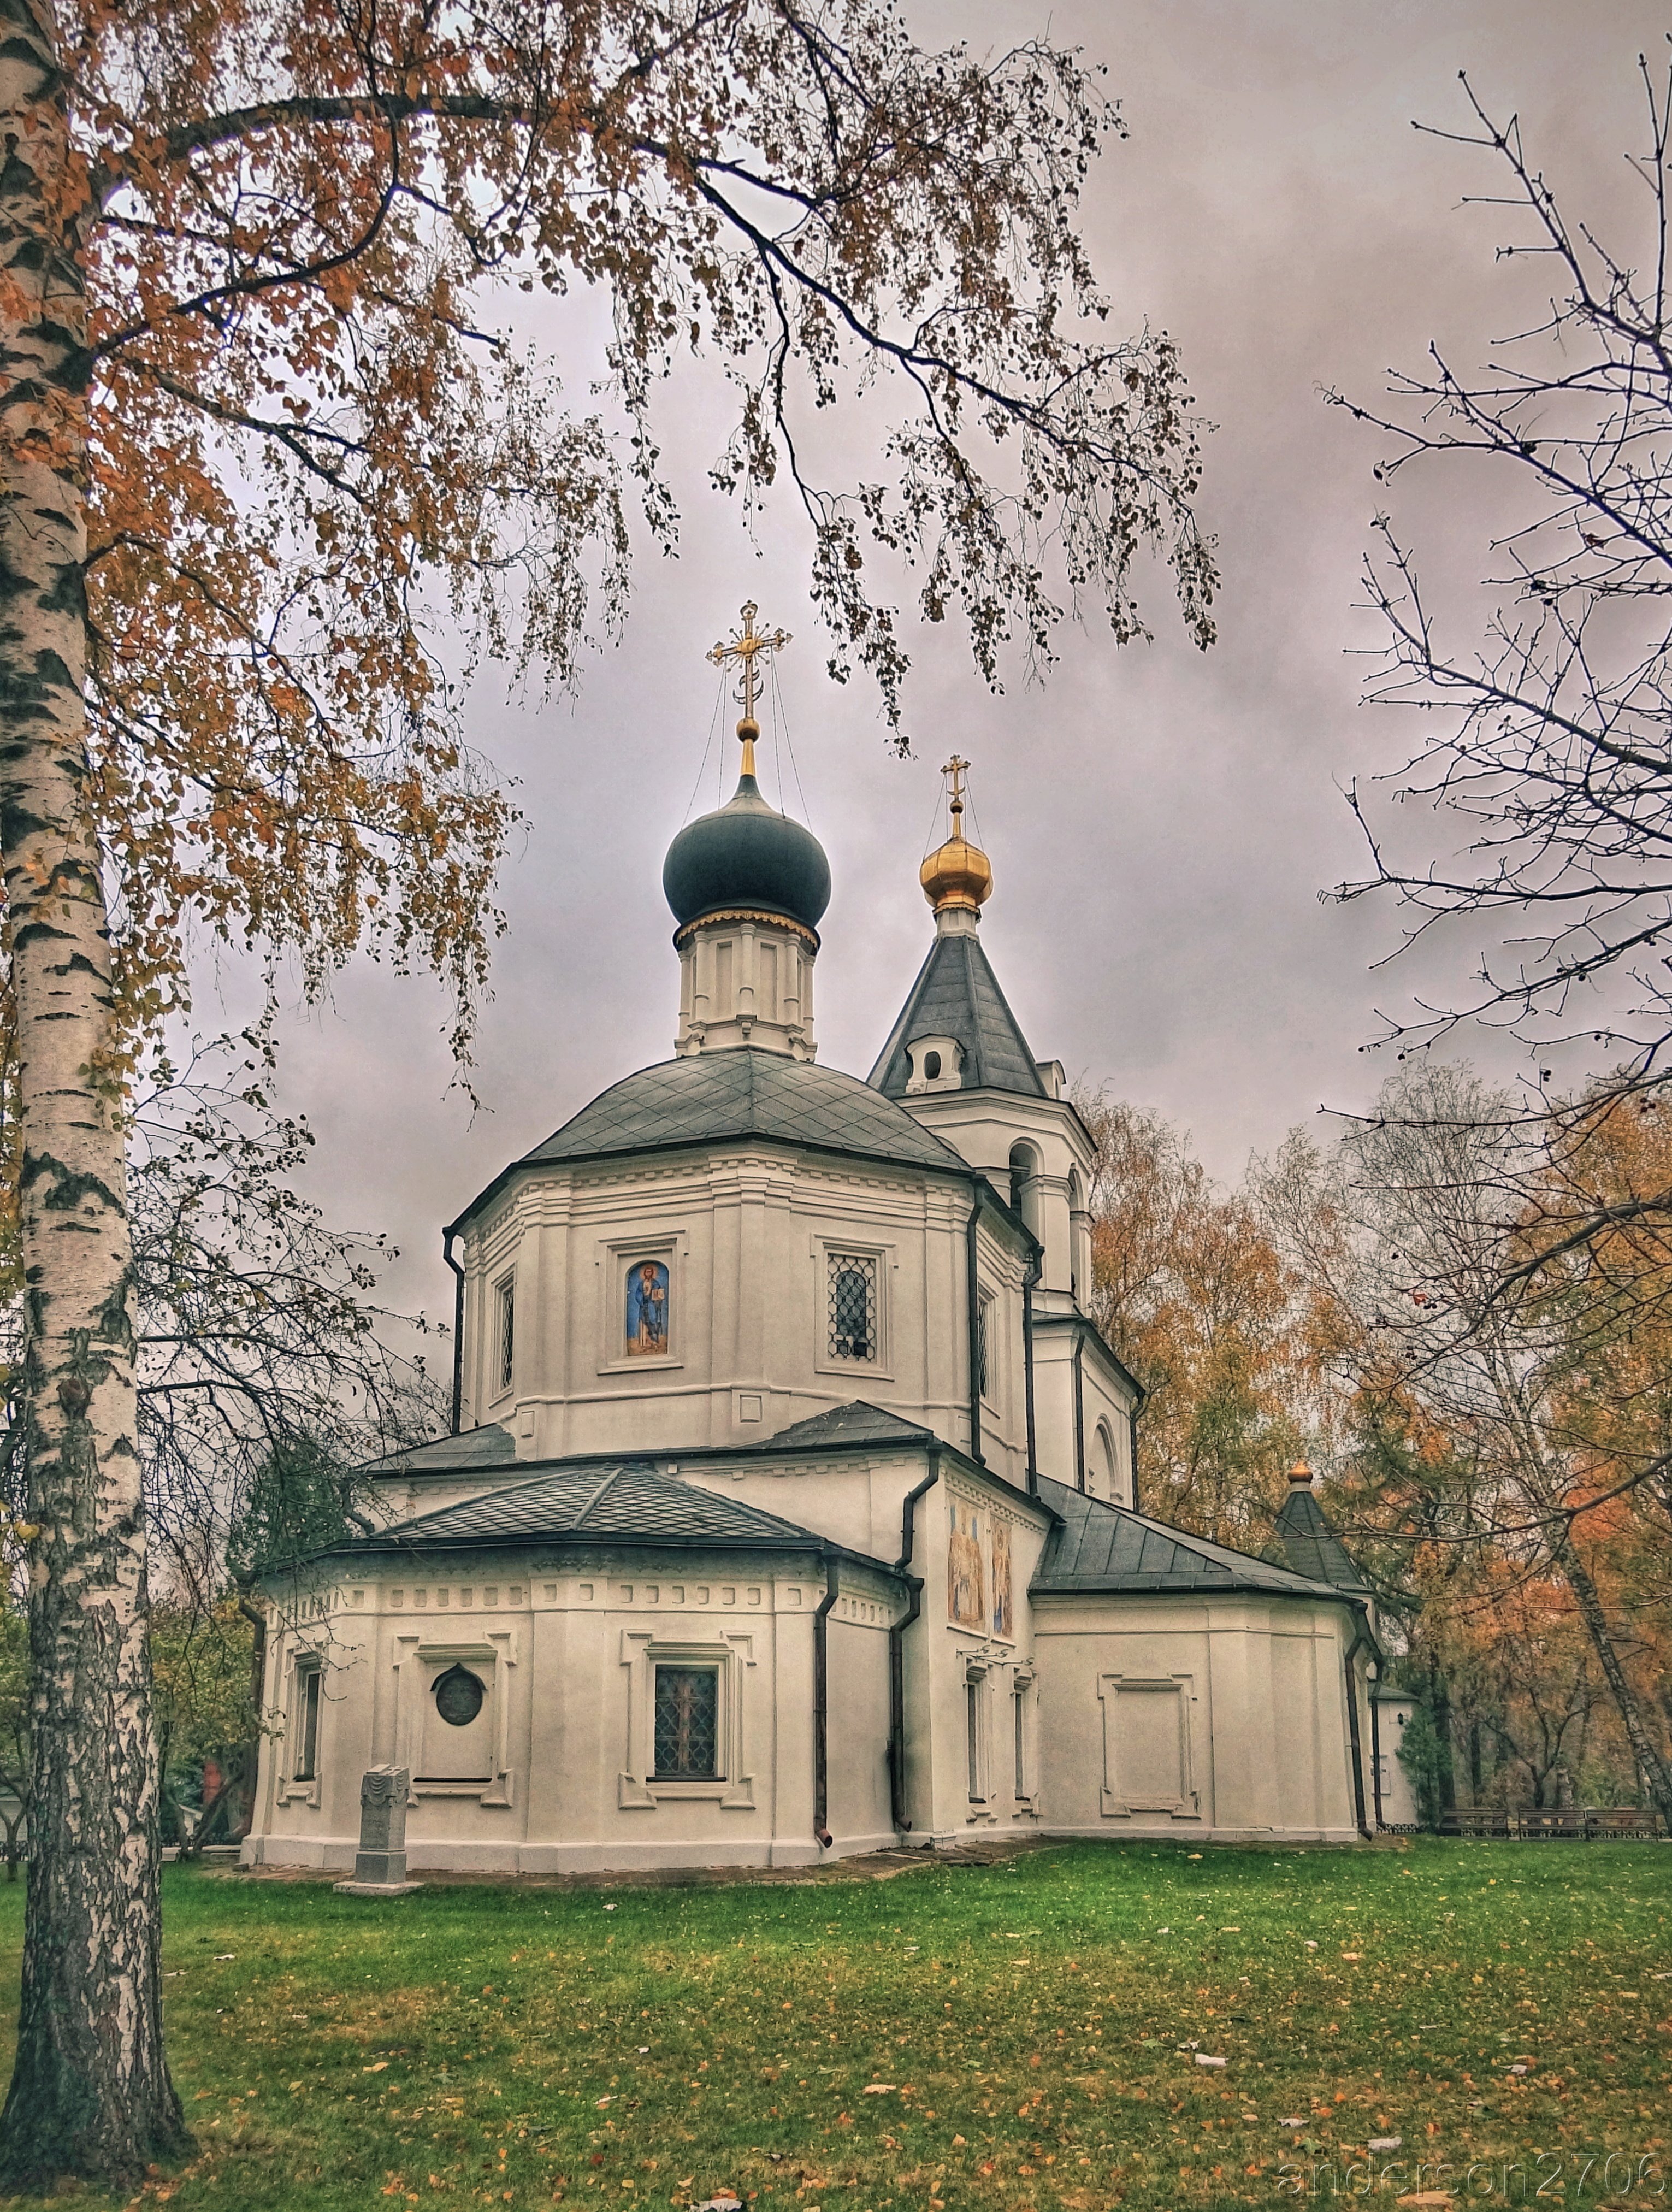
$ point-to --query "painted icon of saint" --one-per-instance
(1004, 1619)
(966, 1584)
(646, 1308)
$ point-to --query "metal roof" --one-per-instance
(858, 1424)
(629, 1503)
(489, 1446)
(957, 995)
(1310, 1544)
(1098, 1546)
(743, 1092)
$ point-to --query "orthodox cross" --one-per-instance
(744, 650)
(955, 768)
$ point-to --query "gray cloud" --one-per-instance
(1160, 822)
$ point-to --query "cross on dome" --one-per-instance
(957, 877)
(744, 651)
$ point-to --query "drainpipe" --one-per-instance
(821, 1773)
(896, 1649)
(973, 1319)
(457, 1328)
(1361, 1642)
(1030, 1283)
(1079, 1411)
(1375, 1756)
(1132, 1430)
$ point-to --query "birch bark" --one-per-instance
(90, 2094)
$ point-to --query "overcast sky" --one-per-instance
(1160, 822)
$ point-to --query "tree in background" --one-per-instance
(1547, 746)
(1188, 1288)
(266, 455)
(263, 1374)
(1488, 1376)
(14, 1725)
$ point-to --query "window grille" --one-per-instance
(507, 1329)
(687, 1723)
(852, 1278)
(307, 1728)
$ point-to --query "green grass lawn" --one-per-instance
(1014, 2035)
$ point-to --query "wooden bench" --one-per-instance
(1538, 1823)
(1622, 1820)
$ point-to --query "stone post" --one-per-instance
(380, 1866)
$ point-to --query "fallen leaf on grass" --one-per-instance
(380, 2067)
(877, 2088)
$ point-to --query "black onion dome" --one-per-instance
(746, 855)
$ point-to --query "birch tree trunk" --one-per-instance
(90, 2094)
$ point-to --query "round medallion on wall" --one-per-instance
(458, 1696)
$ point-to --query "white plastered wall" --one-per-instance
(565, 1652)
(1221, 1717)
(746, 1234)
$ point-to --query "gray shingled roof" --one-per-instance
(486, 1447)
(1311, 1546)
(1097, 1546)
(629, 1503)
(858, 1424)
(957, 995)
(745, 1092)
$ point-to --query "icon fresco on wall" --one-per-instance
(646, 1308)
(966, 1583)
(1004, 1614)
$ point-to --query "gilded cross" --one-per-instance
(745, 649)
(955, 768)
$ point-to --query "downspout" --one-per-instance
(458, 1329)
(896, 1649)
(972, 1323)
(1132, 1431)
(821, 1768)
(1079, 1411)
(1375, 1757)
(1030, 1283)
(1361, 1642)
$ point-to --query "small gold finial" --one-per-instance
(745, 648)
(957, 876)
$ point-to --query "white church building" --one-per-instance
(791, 1505)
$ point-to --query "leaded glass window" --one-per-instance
(687, 1723)
(851, 1299)
(307, 1725)
(507, 1330)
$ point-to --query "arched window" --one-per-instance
(1080, 1239)
(1105, 1463)
(1024, 1184)
(932, 1066)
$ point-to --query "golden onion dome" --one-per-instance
(957, 874)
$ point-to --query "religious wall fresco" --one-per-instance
(1004, 1611)
(646, 1308)
(966, 1579)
